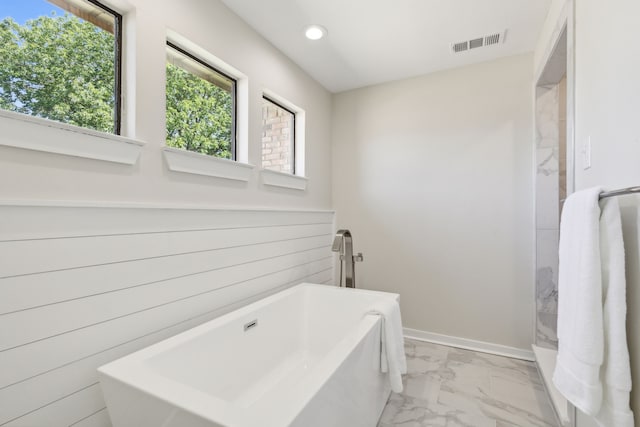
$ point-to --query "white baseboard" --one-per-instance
(468, 344)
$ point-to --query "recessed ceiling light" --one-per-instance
(315, 32)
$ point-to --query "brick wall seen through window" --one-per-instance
(278, 137)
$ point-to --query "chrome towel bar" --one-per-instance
(620, 192)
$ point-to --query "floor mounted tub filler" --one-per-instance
(307, 356)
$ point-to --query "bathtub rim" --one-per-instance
(133, 370)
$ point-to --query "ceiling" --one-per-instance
(375, 41)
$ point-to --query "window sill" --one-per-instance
(200, 164)
(286, 180)
(34, 133)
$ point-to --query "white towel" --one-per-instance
(580, 330)
(592, 369)
(616, 369)
(392, 357)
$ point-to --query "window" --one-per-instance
(278, 137)
(201, 104)
(61, 62)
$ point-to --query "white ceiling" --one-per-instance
(374, 41)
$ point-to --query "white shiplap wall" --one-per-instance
(83, 285)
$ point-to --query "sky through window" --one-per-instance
(23, 10)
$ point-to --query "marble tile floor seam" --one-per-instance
(451, 387)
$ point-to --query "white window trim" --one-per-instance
(283, 179)
(202, 164)
(35, 133)
(185, 161)
(299, 142)
(242, 91)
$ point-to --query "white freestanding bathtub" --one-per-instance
(307, 356)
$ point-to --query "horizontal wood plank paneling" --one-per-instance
(98, 419)
(65, 411)
(34, 290)
(24, 327)
(81, 286)
(37, 256)
(24, 221)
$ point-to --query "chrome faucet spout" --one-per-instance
(337, 243)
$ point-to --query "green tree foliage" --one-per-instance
(198, 114)
(62, 68)
(59, 68)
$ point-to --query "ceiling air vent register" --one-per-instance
(488, 40)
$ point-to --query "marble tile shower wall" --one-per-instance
(547, 214)
(562, 109)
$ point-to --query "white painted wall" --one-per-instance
(433, 175)
(607, 107)
(208, 23)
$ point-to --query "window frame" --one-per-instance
(117, 29)
(293, 131)
(35, 133)
(234, 94)
(117, 61)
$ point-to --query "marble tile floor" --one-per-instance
(451, 387)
